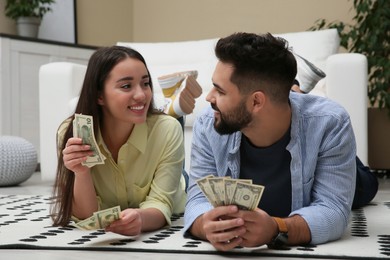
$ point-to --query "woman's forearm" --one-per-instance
(152, 219)
(84, 196)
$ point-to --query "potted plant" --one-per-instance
(27, 14)
(369, 35)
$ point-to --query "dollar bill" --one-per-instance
(99, 219)
(83, 128)
(107, 216)
(247, 196)
(221, 191)
(90, 223)
(218, 188)
(230, 187)
(204, 185)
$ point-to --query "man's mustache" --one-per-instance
(213, 106)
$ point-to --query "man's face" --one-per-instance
(231, 113)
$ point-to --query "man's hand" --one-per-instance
(260, 227)
(226, 227)
(223, 232)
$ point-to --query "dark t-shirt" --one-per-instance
(270, 167)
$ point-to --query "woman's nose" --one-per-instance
(139, 93)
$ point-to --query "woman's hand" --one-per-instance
(129, 223)
(74, 154)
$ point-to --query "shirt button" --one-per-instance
(122, 161)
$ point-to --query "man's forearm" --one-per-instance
(298, 230)
(196, 228)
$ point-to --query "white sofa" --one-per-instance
(346, 82)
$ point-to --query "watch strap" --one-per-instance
(282, 227)
(281, 238)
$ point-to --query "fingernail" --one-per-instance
(233, 208)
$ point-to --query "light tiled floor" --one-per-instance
(35, 186)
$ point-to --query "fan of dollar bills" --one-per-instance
(83, 128)
(222, 191)
(99, 219)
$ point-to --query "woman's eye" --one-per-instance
(147, 84)
(126, 86)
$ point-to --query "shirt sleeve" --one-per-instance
(202, 164)
(166, 191)
(328, 193)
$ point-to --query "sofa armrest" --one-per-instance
(59, 82)
(346, 83)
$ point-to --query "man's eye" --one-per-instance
(220, 92)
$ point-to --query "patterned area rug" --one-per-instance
(25, 224)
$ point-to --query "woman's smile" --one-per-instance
(137, 108)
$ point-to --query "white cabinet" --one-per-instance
(20, 60)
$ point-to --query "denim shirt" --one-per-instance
(323, 164)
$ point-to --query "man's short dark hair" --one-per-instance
(260, 62)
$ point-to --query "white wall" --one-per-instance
(59, 24)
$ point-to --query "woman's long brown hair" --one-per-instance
(99, 66)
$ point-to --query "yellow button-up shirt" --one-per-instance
(148, 172)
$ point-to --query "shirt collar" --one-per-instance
(138, 138)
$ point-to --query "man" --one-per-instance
(300, 147)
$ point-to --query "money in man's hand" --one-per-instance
(222, 191)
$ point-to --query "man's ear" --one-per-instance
(258, 100)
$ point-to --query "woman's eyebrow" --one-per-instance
(131, 78)
(125, 79)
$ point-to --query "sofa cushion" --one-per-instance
(168, 57)
(315, 46)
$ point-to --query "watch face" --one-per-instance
(281, 238)
(279, 242)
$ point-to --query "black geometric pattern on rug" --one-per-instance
(25, 224)
(359, 223)
(384, 240)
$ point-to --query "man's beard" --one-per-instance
(232, 121)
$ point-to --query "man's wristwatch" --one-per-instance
(282, 236)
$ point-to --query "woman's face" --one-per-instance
(127, 93)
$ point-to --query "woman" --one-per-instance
(144, 149)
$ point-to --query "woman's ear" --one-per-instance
(100, 99)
